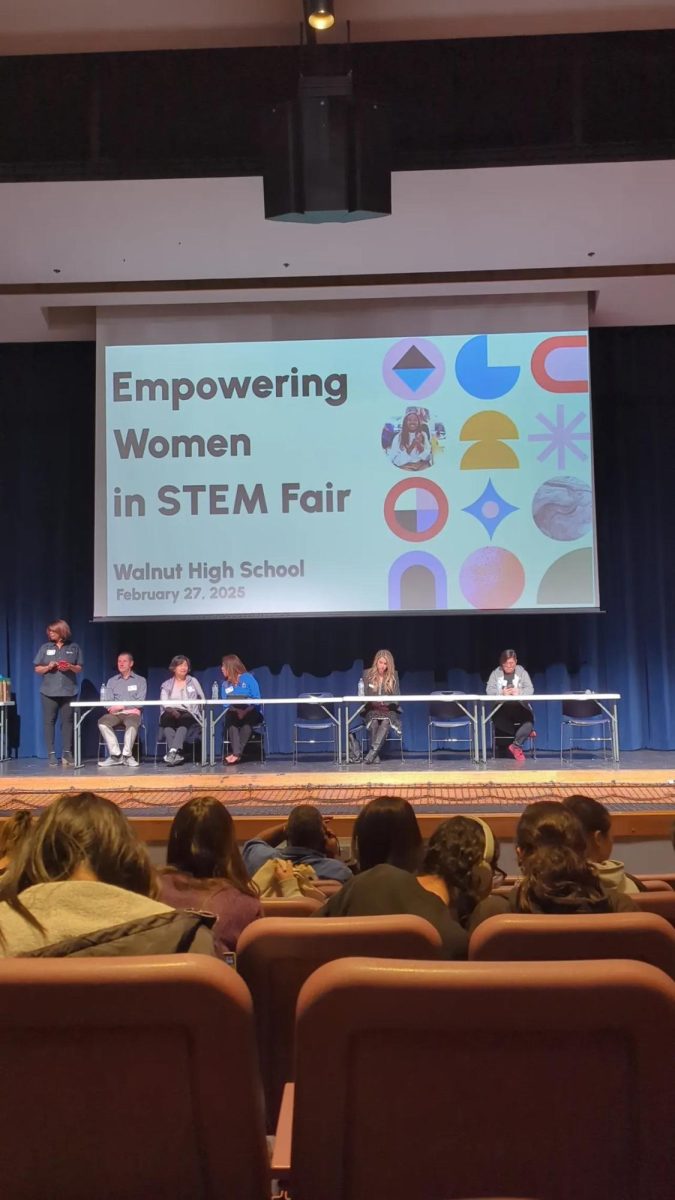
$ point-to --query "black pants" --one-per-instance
(53, 707)
(512, 724)
(239, 726)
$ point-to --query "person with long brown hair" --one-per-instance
(205, 870)
(81, 883)
(556, 875)
(58, 662)
(240, 719)
(381, 680)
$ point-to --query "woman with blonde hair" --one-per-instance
(381, 715)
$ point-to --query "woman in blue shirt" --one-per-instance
(240, 720)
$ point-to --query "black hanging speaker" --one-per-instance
(326, 155)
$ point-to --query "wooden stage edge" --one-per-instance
(643, 801)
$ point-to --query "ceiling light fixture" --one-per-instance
(321, 15)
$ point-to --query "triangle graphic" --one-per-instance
(413, 357)
(414, 377)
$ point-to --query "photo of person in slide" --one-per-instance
(410, 449)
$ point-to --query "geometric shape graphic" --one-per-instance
(489, 425)
(570, 580)
(416, 510)
(413, 368)
(489, 456)
(488, 430)
(417, 581)
(562, 436)
(477, 377)
(560, 364)
(562, 508)
(492, 578)
(490, 509)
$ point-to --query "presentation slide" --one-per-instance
(361, 475)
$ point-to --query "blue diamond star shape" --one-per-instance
(490, 509)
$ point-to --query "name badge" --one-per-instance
(133, 687)
(229, 689)
(191, 691)
(50, 652)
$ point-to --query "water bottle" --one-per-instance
(214, 690)
(103, 693)
(360, 689)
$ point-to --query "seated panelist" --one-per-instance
(513, 722)
(123, 691)
(240, 719)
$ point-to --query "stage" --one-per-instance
(640, 790)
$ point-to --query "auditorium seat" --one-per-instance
(470, 1079)
(662, 903)
(275, 957)
(665, 877)
(329, 886)
(654, 885)
(295, 906)
(129, 1078)
(523, 937)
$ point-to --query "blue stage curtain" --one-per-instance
(48, 413)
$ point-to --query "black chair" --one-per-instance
(313, 727)
(588, 727)
(448, 725)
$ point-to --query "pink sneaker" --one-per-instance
(516, 752)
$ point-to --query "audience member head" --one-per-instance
(551, 849)
(596, 823)
(82, 836)
(203, 844)
(232, 668)
(386, 831)
(180, 665)
(59, 631)
(306, 828)
(456, 853)
(13, 831)
(491, 846)
(508, 660)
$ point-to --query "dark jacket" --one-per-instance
(384, 891)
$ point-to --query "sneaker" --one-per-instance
(168, 758)
(52, 759)
(129, 760)
(113, 760)
(177, 758)
(67, 759)
(516, 752)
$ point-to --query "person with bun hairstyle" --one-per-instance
(596, 822)
(451, 889)
(59, 662)
(556, 875)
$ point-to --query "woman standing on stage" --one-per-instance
(513, 723)
(177, 720)
(59, 662)
(240, 720)
(381, 679)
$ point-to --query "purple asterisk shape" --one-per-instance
(561, 437)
